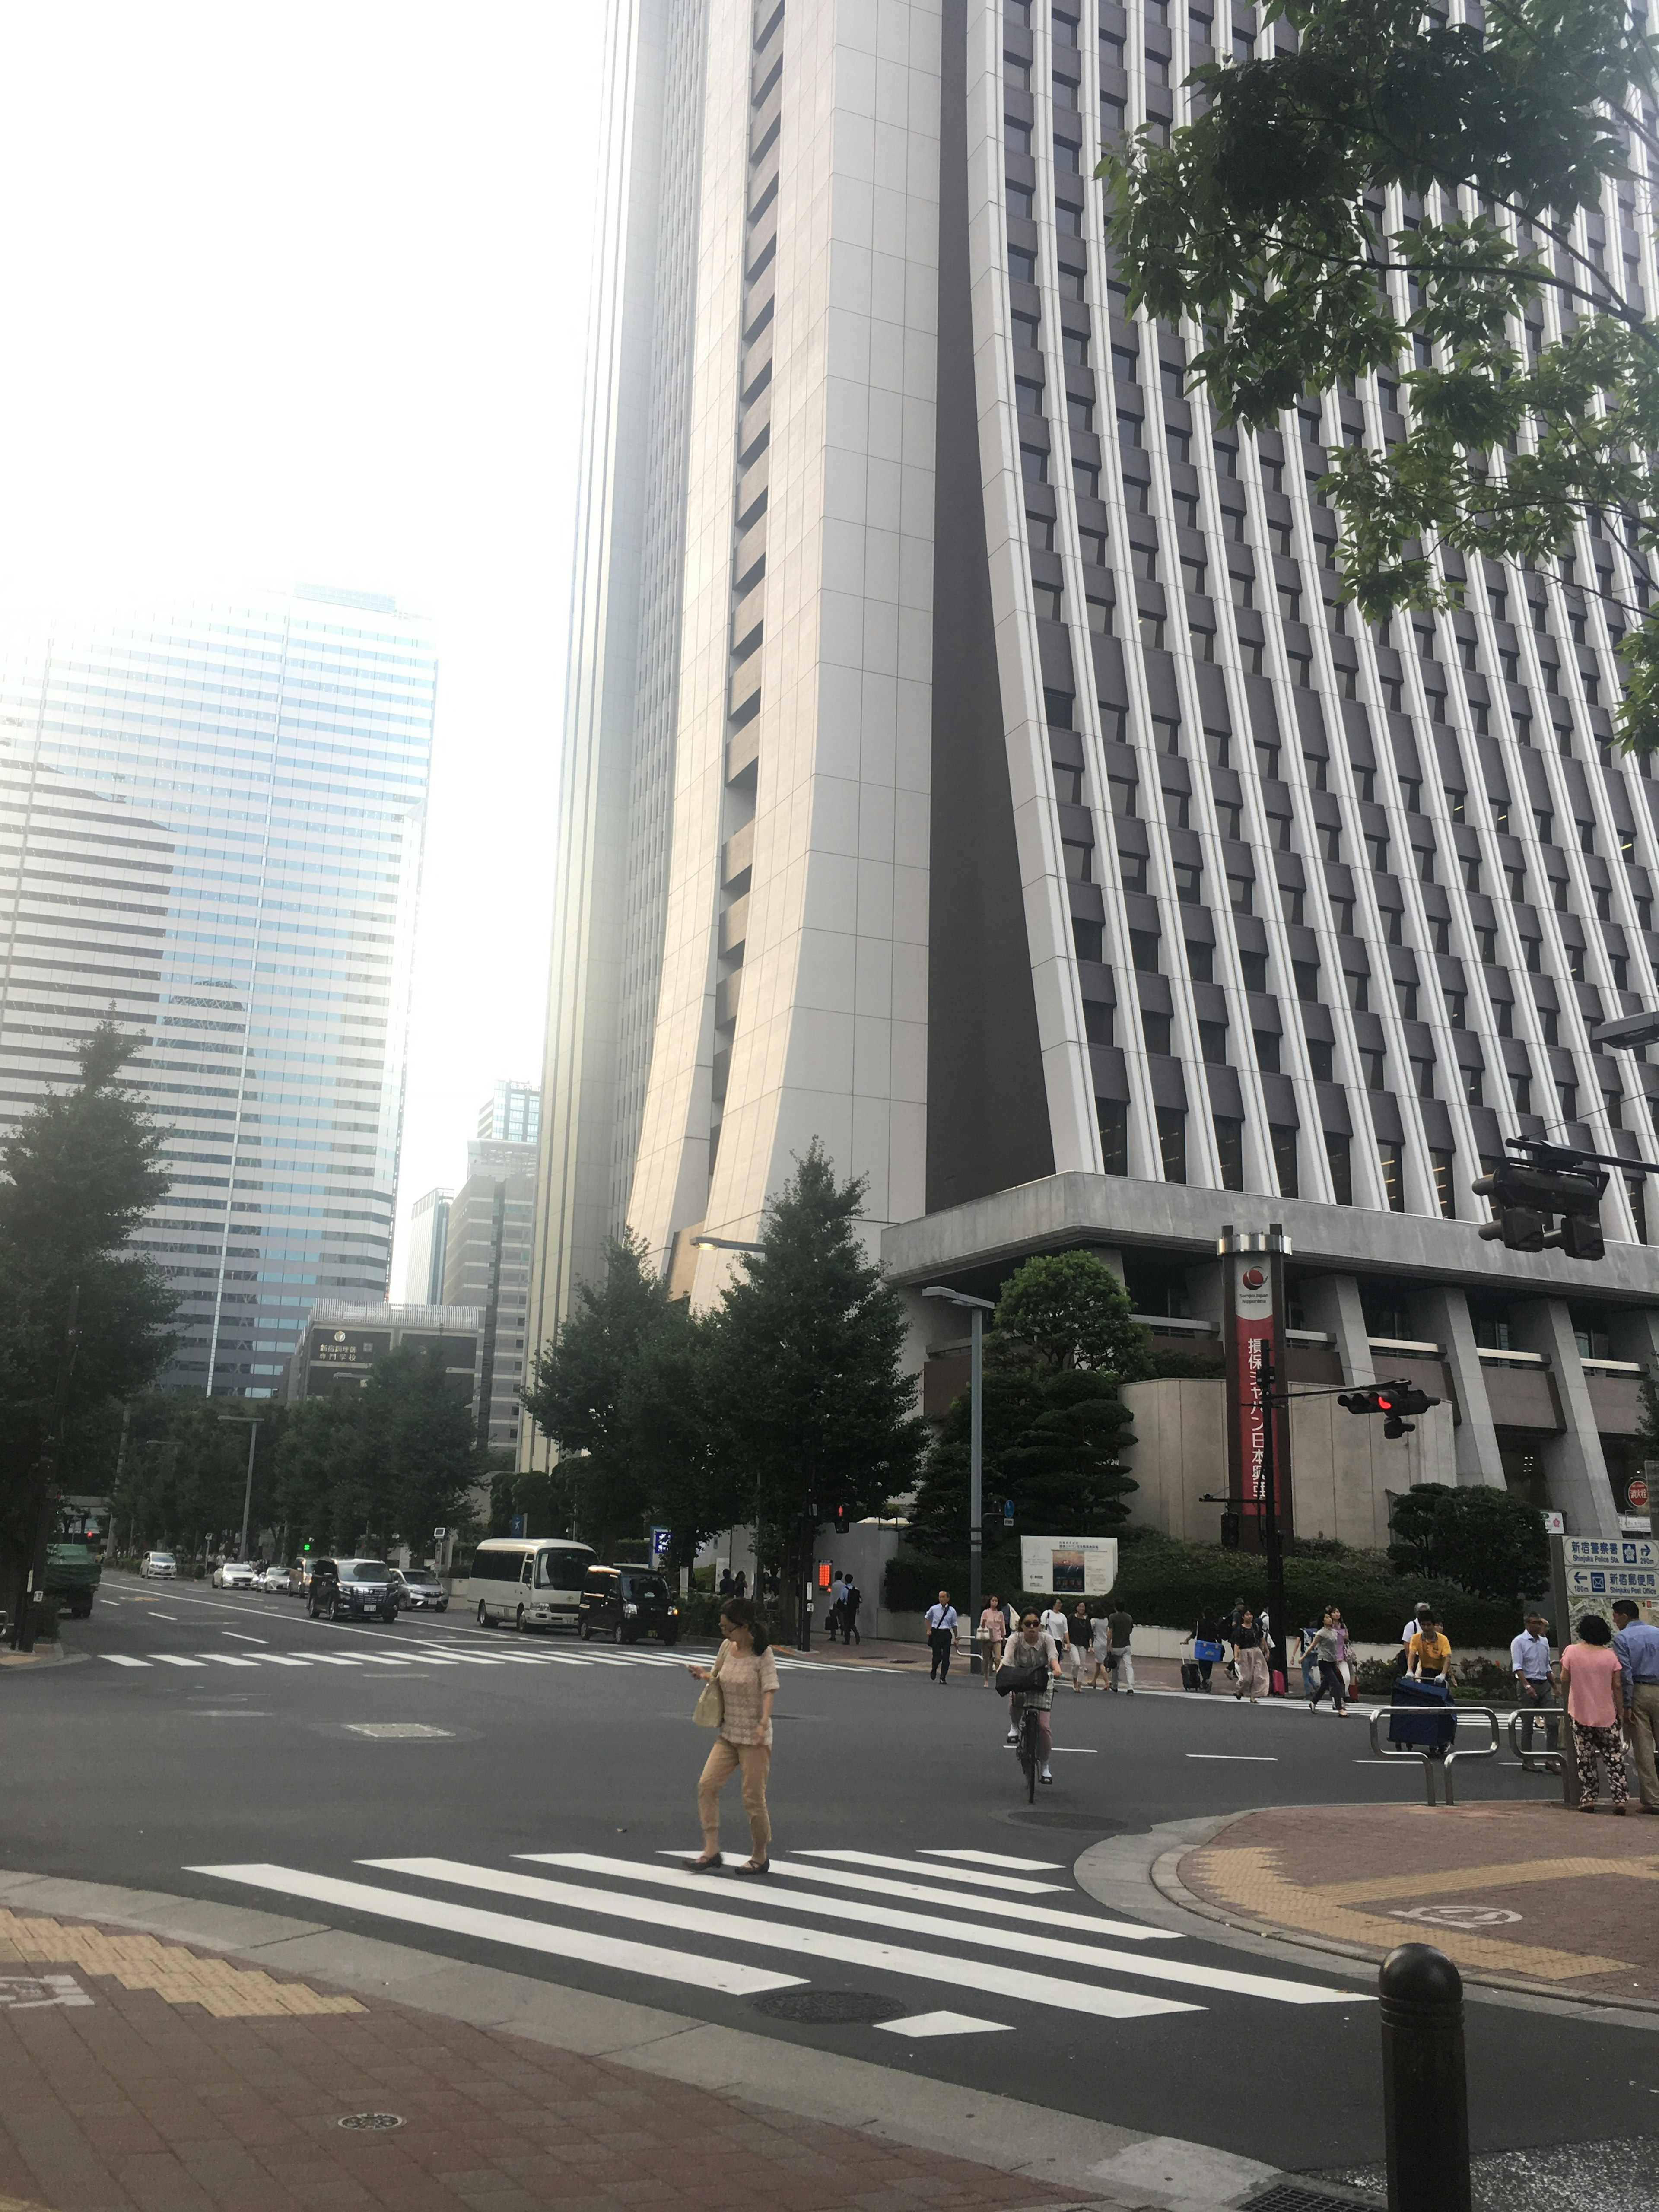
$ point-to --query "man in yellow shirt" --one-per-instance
(1428, 1654)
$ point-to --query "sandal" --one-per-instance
(750, 1868)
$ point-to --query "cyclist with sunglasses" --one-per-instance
(1032, 1648)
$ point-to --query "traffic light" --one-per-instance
(1526, 1196)
(1393, 1400)
(843, 1519)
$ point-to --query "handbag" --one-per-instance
(710, 1709)
(1019, 1681)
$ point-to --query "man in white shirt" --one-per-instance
(941, 1635)
(1531, 1659)
(1056, 1624)
(837, 1605)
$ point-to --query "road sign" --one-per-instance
(1636, 1494)
(515, 1527)
(438, 1534)
(1555, 1524)
(661, 1541)
(1592, 1572)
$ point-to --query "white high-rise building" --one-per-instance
(968, 762)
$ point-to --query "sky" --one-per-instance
(299, 294)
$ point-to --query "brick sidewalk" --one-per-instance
(1528, 1892)
(147, 2076)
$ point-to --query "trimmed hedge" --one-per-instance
(1166, 1584)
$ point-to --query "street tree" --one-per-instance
(1064, 1471)
(76, 1181)
(1069, 1310)
(1486, 1540)
(674, 1433)
(808, 1371)
(1264, 222)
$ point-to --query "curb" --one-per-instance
(1166, 1880)
(44, 1655)
(1111, 2168)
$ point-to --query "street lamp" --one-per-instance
(977, 1310)
(726, 1244)
(1629, 1033)
(251, 1423)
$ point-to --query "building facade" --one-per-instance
(511, 1114)
(487, 1266)
(211, 817)
(968, 759)
(340, 1339)
(429, 1240)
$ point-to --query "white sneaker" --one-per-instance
(1044, 1776)
(1011, 1738)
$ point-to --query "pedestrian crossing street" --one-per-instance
(984, 1936)
(444, 1655)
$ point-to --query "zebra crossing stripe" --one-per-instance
(999, 1908)
(172, 1659)
(599, 1950)
(1007, 1982)
(1000, 1883)
(121, 1659)
(994, 1859)
(227, 1659)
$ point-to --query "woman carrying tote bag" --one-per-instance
(736, 1702)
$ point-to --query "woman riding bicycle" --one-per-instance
(1033, 1650)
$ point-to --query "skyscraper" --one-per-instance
(429, 1237)
(511, 1114)
(486, 1265)
(212, 812)
(968, 761)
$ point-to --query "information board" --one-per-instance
(1593, 1572)
(1068, 1567)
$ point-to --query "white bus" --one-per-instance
(527, 1582)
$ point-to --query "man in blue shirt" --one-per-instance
(1637, 1643)
(941, 1635)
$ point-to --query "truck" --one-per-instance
(73, 1572)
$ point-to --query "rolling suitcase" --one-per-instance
(1190, 1677)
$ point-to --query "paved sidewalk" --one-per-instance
(1514, 1893)
(140, 2073)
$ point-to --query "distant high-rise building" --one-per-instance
(211, 816)
(429, 1237)
(486, 1265)
(969, 762)
(511, 1114)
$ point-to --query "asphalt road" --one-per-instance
(533, 1828)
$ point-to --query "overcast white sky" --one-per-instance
(299, 294)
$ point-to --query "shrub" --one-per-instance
(1183, 1363)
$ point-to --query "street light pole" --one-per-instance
(977, 1310)
(250, 1422)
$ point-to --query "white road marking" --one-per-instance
(115, 1601)
(121, 1659)
(331, 1659)
(1240, 1758)
(164, 1616)
(921, 2024)
(276, 1659)
(1033, 1916)
(699, 1972)
(961, 1930)
(1075, 1751)
(942, 1873)
(227, 1659)
(241, 1638)
(1007, 1982)
(172, 1659)
(995, 1859)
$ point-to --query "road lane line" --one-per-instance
(1100, 1956)
(831, 1944)
(331, 1659)
(1002, 1883)
(241, 1638)
(1240, 1758)
(1030, 1916)
(698, 1971)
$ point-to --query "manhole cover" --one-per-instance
(1066, 1816)
(396, 1731)
(828, 2007)
(370, 2122)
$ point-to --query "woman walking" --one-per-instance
(1594, 1684)
(1327, 1656)
(1248, 1658)
(1100, 1646)
(748, 1677)
(1083, 1631)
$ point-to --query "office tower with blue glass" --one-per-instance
(969, 761)
(211, 818)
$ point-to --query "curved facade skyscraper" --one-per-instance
(968, 759)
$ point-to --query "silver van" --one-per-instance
(527, 1582)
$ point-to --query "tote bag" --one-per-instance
(710, 1709)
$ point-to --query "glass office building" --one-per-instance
(211, 817)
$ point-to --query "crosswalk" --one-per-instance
(971, 1932)
(445, 1655)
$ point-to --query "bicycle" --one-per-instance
(1030, 1749)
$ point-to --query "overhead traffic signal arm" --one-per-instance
(1393, 1400)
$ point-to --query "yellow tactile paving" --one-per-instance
(1483, 1877)
(1248, 1878)
(142, 1962)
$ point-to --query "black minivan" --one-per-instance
(624, 1603)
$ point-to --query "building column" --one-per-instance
(1332, 1303)
(1575, 1472)
(1444, 1312)
(1635, 1335)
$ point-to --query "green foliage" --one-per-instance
(1012, 1399)
(1176, 1364)
(1066, 1468)
(183, 1469)
(1477, 1536)
(1259, 220)
(1069, 1310)
(81, 1172)
(675, 1434)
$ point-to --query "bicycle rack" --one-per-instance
(1537, 1762)
(1430, 1762)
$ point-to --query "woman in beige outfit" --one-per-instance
(747, 1684)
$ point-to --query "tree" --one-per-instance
(1478, 1537)
(674, 1436)
(81, 1172)
(183, 1469)
(807, 1366)
(1069, 1310)
(1261, 221)
(577, 1395)
(1066, 1469)
(1012, 1399)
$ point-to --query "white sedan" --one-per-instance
(273, 1578)
(234, 1574)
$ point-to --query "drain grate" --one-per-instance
(828, 2007)
(397, 1731)
(370, 2122)
(1290, 2197)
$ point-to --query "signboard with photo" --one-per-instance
(1068, 1567)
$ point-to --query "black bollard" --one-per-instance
(1425, 2104)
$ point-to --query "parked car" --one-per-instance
(271, 1580)
(415, 1589)
(160, 1564)
(349, 1590)
(234, 1574)
(625, 1603)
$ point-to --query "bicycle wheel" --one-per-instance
(1028, 1739)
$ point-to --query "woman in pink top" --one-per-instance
(1595, 1686)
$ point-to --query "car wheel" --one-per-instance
(443, 1605)
(584, 1633)
(616, 1634)
(334, 1606)
(670, 1637)
(390, 1616)
(483, 1614)
(518, 1621)
(311, 1606)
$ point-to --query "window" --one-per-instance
(1034, 463)
(1079, 862)
(1284, 1143)
(1028, 395)
(1178, 445)
(1188, 884)
(1242, 590)
(1193, 572)
(1074, 348)
(1040, 529)
(1121, 791)
(1132, 868)
(1085, 479)
(1019, 203)
(1406, 993)
(1123, 365)
(1097, 1022)
(1341, 1167)
(1520, 1090)
(1545, 825)
(1154, 1031)
(1359, 994)
(1047, 598)
(1201, 962)
(1086, 938)
(1228, 818)
(1022, 265)
(1172, 1142)
(1266, 1050)
(1423, 1078)
(1152, 631)
(1330, 840)
(1568, 1093)
(1143, 951)
(1442, 1167)
(1226, 462)
(1166, 734)
(1486, 946)
(1456, 1005)
(1063, 28)
(1016, 136)
(1230, 1151)
(1306, 973)
(1212, 1043)
(1319, 1061)
(1143, 563)
(1373, 1066)
(1376, 852)
(1026, 331)
(1099, 615)
(1266, 760)
(1093, 543)
(1241, 892)
(1066, 155)
(1113, 1117)
(1128, 433)
(1342, 917)
(1079, 413)
(1072, 282)
(1389, 1160)
(1503, 1016)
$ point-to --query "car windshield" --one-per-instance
(646, 1586)
(365, 1570)
(161, 1558)
(561, 1569)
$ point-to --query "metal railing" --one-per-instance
(1547, 1761)
(1433, 1758)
